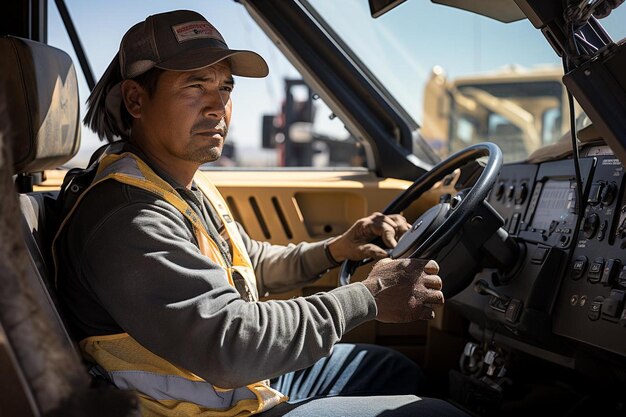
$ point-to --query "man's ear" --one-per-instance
(133, 96)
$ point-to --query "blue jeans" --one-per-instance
(357, 381)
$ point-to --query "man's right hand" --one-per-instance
(405, 289)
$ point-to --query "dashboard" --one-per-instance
(566, 292)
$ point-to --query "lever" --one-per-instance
(469, 358)
(482, 287)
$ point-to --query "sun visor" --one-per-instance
(503, 10)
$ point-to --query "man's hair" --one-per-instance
(99, 119)
(148, 80)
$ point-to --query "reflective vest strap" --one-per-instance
(268, 397)
(160, 383)
(129, 169)
(172, 387)
(240, 255)
(139, 174)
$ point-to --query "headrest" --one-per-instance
(40, 115)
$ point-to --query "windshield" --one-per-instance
(277, 121)
(463, 77)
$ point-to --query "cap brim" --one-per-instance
(243, 63)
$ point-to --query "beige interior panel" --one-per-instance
(302, 206)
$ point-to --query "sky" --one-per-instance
(102, 24)
(400, 47)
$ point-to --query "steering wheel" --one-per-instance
(437, 226)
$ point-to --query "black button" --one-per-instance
(590, 225)
(595, 270)
(553, 227)
(608, 194)
(499, 190)
(521, 194)
(609, 307)
(612, 305)
(579, 266)
(513, 310)
(610, 270)
(595, 308)
(511, 192)
(594, 193)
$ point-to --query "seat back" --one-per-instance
(39, 129)
(39, 122)
(42, 125)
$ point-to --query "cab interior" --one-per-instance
(531, 252)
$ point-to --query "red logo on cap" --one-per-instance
(195, 30)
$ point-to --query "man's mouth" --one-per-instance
(210, 133)
(207, 129)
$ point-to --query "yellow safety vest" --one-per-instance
(165, 389)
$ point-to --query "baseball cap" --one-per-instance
(180, 40)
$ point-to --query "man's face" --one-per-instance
(187, 117)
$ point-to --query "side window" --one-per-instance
(277, 121)
(304, 132)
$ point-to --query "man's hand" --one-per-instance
(355, 244)
(405, 289)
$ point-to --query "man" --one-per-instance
(161, 286)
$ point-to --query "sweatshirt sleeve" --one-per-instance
(145, 269)
(282, 268)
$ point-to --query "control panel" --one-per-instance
(590, 307)
(570, 281)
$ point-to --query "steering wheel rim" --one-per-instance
(457, 217)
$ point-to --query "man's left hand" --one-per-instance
(355, 244)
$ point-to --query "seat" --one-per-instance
(39, 130)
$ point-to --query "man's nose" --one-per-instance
(214, 105)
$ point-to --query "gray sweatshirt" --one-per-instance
(129, 262)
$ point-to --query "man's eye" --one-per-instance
(227, 88)
(199, 87)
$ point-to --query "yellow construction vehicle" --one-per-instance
(520, 109)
